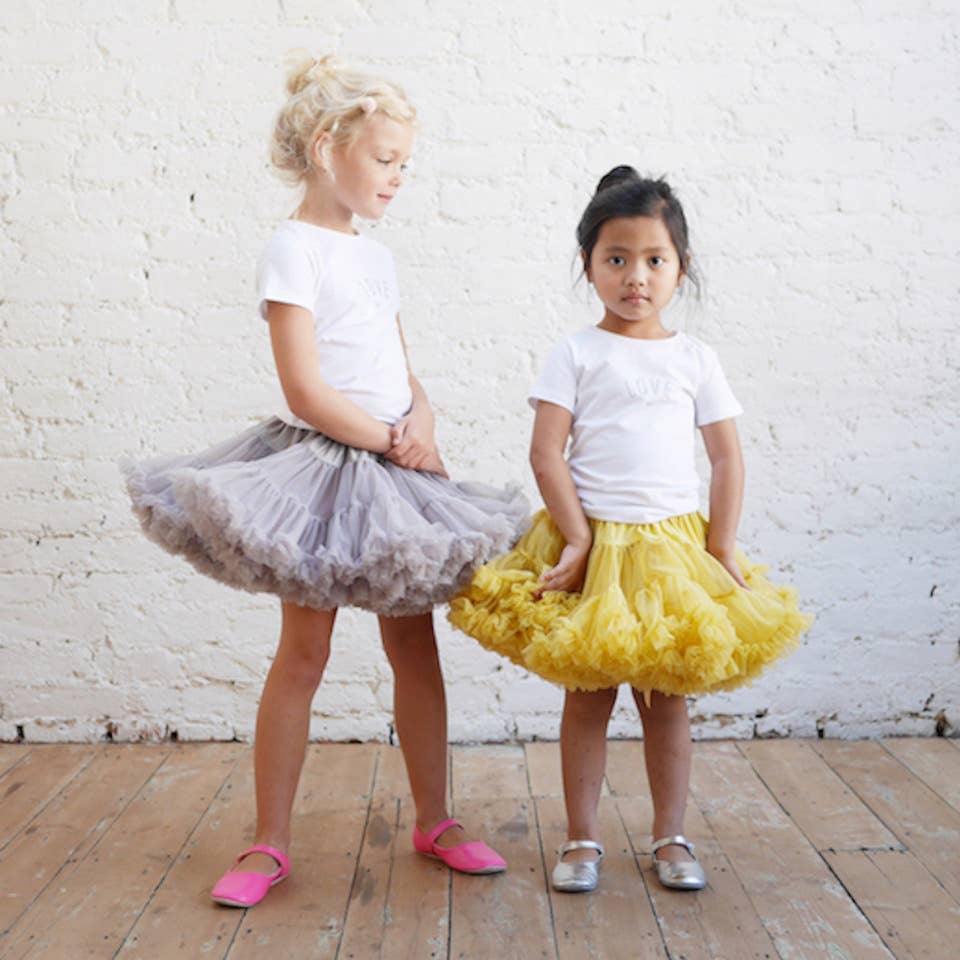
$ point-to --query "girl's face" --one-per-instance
(367, 173)
(635, 269)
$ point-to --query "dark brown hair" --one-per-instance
(622, 192)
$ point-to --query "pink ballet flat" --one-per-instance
(472, 857)
(236, 889)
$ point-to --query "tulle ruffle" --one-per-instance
(656, 611)
(291, 512)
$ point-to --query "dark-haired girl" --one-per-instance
(621, 579)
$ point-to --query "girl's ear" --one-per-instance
(317, 159)
(586, 267)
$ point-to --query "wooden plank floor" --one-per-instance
(813, 849)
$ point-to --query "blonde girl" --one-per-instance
(342, 497)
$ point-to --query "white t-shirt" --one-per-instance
(635, 404)
(349, 283)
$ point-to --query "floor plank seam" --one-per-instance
(865, 801)
(738, 876)
(16, 763)
(643, 878)
(771, 934)
(858, 908)
(133, 796)
(813, 846)
(936, 879)
(526, 771)
(236, 932)
(786, 812)
(38, 812)
(449, 913)
(543, 867)
(389, 881)
(866, 848)
(67, 862)
(384, 919)
(904, 844)
(359, 856)
(773, 795)
(176, 857)
(932, 875)
(913, 773)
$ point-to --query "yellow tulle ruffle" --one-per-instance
(656, 611)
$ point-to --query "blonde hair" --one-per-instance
(328, 96)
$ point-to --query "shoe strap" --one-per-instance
(283, 861)
(667, 841)
(431, 837)
(569, 845)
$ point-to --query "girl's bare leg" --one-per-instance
(583, 754)
(420, 714)
(283, 724)
(667, 753)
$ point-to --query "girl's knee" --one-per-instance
(654, 705)
(590, 705)
(408, 640)
(415, 659)
(304, 644)
(303, 665)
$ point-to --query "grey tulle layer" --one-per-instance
(292, 512)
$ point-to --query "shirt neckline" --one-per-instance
(646, 340)
(356, 235)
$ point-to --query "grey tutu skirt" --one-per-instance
(285, 510)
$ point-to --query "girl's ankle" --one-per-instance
(427, 823)
(281, 843)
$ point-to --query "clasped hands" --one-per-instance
(412, 445)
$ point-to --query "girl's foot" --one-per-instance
(471, 856)
(577, 865)
(674, 853)
(256, 862)
(244, 888)
(581, 855)
(673, 870)
(453, 836)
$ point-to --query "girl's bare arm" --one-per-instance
(309, 398)
(550, 431)
(726, 491)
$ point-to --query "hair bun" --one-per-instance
(617, 175)
(305, 68)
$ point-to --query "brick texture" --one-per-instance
(815, 147)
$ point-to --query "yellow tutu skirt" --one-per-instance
(656, 611)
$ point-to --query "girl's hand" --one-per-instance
(433, 464)
(568, 573)
(411, 440)
(412, 445)
(730, 565)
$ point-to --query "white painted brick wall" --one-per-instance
(815, 146)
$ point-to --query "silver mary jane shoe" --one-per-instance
(576, 877)
(681, 875)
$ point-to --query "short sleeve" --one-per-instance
(287, 274)
(714, 400)
(557, 382)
